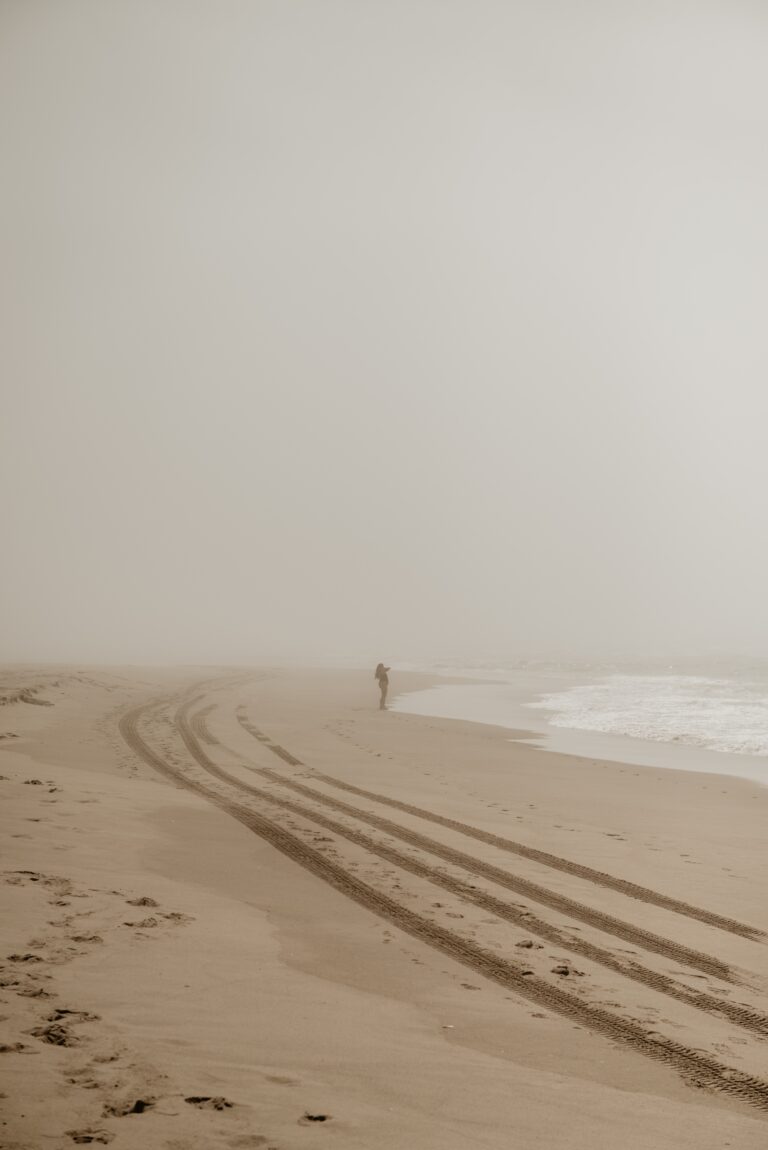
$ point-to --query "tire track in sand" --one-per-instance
(556, 862)
(740, 1015)
(521, 886)
(697, 1068)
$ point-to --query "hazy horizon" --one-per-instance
(351, 330)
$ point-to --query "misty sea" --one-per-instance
(715, 722)
(717, 714)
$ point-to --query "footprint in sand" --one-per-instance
(31, 991)
(102, 1137)
(208, 1102)
(308, 1119)
(64, 1014)
(55, 1034)
(132, 1106)
(83, 1080)
(252, 1140)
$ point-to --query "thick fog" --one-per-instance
(382, 328)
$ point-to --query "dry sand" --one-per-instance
(198, 954)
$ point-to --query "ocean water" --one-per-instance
(716, 714)
(706, 722)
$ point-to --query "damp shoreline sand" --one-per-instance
(514, 704)
(174, 942)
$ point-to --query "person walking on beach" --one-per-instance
(381, 674)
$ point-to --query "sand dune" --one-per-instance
(247, 909)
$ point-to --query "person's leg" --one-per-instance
(383, 703)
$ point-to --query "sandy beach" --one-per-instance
(245, 908)
(421, 337)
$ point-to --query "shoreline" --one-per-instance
(505, 707)
(257, 981)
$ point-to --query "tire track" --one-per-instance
(521, 886)
(275, 748)
(556, 862)
(740, 1015)
(200, 728)
(697, 1068)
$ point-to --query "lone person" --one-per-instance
(381, 674)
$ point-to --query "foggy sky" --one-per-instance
(382, 328)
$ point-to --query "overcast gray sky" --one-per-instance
(382, 327)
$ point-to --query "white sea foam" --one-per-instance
(716, 714)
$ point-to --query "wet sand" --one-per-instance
(507, 703)
(247, 909)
